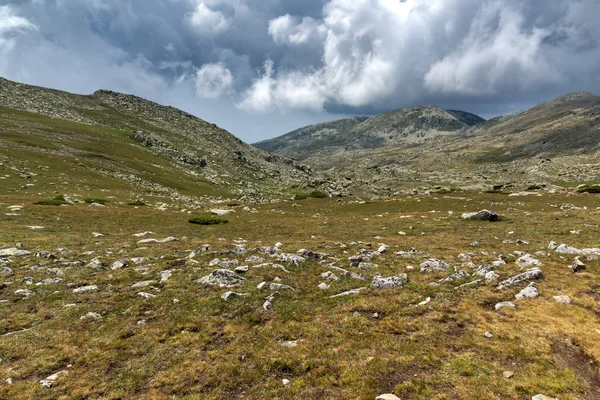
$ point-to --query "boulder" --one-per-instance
(396, 281)
(529, 292)
(529, 275)
(434, 265)
(483, 215)
(222, 278)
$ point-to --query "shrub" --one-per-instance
(91, 200)
(234, 204)
(534, 187)
(443, 191)
(314, 195)
(57, 201)
(207, 221)
(495, 191)
(136, 203)
(590, 189)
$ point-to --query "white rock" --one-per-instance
(13, 252)
(562, 299)
(529, 292)
(165, 275)
(98, 234)
(49, 381)
(142, 234)
(323, 286)
(528, 261)
(387, 396)
(285, 381)
(142, 284)
(219, 212)
(505, 304)
(91, 315)
(146, 295)
(87, 288)
(349, 292)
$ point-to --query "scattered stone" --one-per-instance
(91, 315)
(483, 215)
(98, 234)
(280, 286)
(563, 299)
(488, 335)
(349, 292)
(222, 278)
(387, 396)
(49, 281)
(142, 234)
(49, 381)
(483, 269)
(456, 276)
(142, 284)
(508, 374)
(542, 397)
(323, 286)
(425, 302)
(146, 295)
(119, 264)
(84, 289)
(528, 261)
(434, 265)
(95, 263)
(529, 275)
(221, 213)
(271, 265)
(367, 265)
(504, 304)
(6, 271)
(294, 259)
(285, 382)
(26, 293)
(35, 227)
(261, 285)
(241, 269)
(228, 295)
(577, 265)
(529, 292)
(397, 281)
(13, 252)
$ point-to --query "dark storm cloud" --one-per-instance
(261, 67)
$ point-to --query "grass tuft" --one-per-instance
(207, 221)
(590, 189)
(137, 203)
(57, 201)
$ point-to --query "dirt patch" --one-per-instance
(567, 353)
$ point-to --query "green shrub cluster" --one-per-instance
(590, 189)
(207, 221)
(57, 201)
(91, 200)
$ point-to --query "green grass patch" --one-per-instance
(312, 195)
(137, 203)
(57, 201)
(207, 220)
(495, 191)
(590, 189)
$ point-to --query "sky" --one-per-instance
(261, 68)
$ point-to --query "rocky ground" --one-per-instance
(412, 297)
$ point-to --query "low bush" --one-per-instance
(57, 201)
(590, 189)
(312, 195)
(136, 203)
(207, 221)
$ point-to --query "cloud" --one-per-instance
(213, 80)
(208, 21)
(281, 60)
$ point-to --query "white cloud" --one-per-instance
(213, 80)
(295, 32)
(208, 21)
(259, 97)
(11, 26)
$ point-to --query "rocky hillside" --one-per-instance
(556, 142)
(408, 126)
(106, 133)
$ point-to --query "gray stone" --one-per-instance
(397, 281)
(529, 275)
(504, 304)
(14, 252)
(228, 295)
(528, 261)
(222, 278)
(84, 289)
(348, 292)
(143, 284)
(119, 264)
(483, 215)
(562, 299)
(293, 259)
(529, 292)
(434, 265)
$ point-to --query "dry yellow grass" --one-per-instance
(203, 347)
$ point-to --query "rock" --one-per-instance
(228, 295)
(527, 261)
(396, 281)
(119, 264)
(143, 284)
(142, 234)
(285, 381)
(367, 265)
(529, 292)
(146, 295)
(84, 289)
(483, 270)
(563, 299)
(91, 315)
(456, 276)
(491, 276)
(483, 215)
(267, 305)
(577, 265)
(552, 245)
(13, 252)
(488, 335)
(138, 260)
(382, 249)
(280, 286)
(387, 396)
(49, 381)
(508, 374)
(294, 259)
(228, 263)
(165, 275)
(434, 265)
(504, 304)
(323, 286)
(221, 213)
(542, 397)
(95, 263)
(6, 271)
(261, 285)
(271, 265)
(49, 281)
(26, 293)
(425, 302)
(498, 263)
(222, 278)
(529, 275)
(349, 292)
(241, 269)
(98, 234)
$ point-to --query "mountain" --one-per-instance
(555, 142)
(407, 126)
(109, 139)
